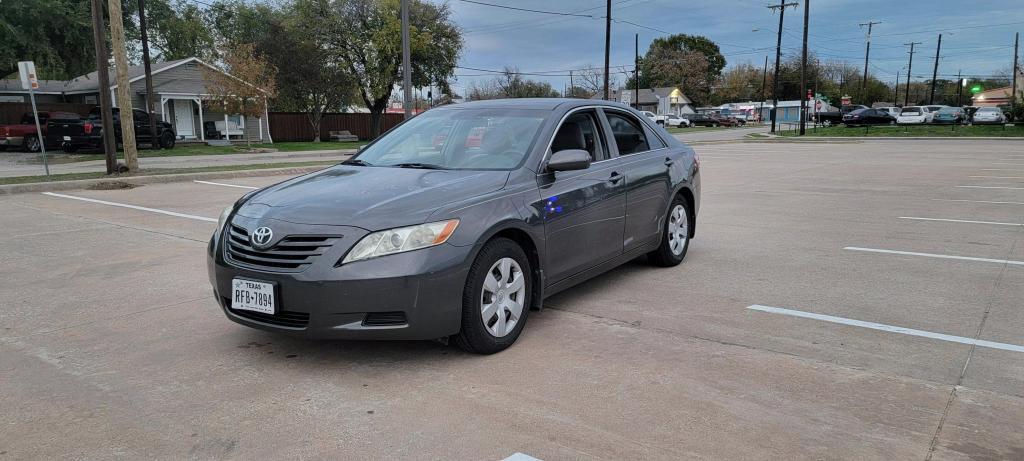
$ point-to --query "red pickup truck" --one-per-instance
(23, 135)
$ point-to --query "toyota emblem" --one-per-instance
(261, 237)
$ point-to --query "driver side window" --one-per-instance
(580, 131)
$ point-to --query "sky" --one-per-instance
(977, 35)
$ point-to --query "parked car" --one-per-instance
(989, 116)
(932, 110)
(830, 118)
(87, 133)
(457, 242)
(659, 119)
(677, 121)
(24, 135)
(729, 120)
(862, 117)
(893, 111)
(702, 119)
(912, 115)
(950, 115)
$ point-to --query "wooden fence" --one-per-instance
(11, 112)
(294, 126)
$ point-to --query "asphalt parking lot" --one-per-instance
(841, 301)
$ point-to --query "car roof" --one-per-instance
(534, 103)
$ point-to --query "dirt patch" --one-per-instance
(113, 185)
(256, 150)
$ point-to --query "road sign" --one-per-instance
(27, 72)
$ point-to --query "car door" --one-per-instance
(644, 160)
(583, 210)
(141, 119)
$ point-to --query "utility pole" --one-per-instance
(803, 71)
(636, 68)
(154, 143)
(607, 43)
(124, 91)
(764, 84)
(906, 97)
(896, 91)
(935, 71)
(1013, 92)
(867, 53)
(778, 56)
(959, 86)
(572, 86)
(100, 44)
(406, 62)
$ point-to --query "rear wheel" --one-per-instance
(69, 148)
(496, 299)
(675, 239)
(31, 144)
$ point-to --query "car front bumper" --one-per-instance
(407, 296)
(11, 141)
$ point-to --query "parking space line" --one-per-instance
(223, 184)
(888, 328)
(998, 177)
(939, 256)
(1015, 164)
(991, 187)
(1001, 169)
(134, 207)
(520, 457)
(977, 201)
(963, 221)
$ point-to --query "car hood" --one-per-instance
(371, 198)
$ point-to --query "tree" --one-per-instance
(179, 31)
(366, 36)
(511, 84)
(667, 62)
(56, 34)
(740, 83)
(246, 90)
(591, 81)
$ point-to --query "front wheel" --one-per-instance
(167, 140)
(675, 238)
(496, 299)
(31, 143)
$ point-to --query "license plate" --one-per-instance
(250, 295)
(67, 138)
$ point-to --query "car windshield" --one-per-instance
(911, 111)
(458, 139)
(859, 112)
(949, 110)
(989, 110)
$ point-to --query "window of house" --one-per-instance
(629, 135)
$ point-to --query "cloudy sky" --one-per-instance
(977, 35)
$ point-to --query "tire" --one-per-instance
(69, 148)
(826, 123)
(675, 240)
(500, 261)
(167, 140)
(31, 144)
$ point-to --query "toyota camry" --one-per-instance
(456, 223)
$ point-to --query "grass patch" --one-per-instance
(910, 131)
(697, 129)
(202, 149)
(157, 172)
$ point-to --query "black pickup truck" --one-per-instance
(73, 134)
(833, 117)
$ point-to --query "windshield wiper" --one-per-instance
(422, 166)
(356, 162)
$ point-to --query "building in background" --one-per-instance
(662, 101)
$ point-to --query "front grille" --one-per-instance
(292, 254)
(281, 318)
(381, 319)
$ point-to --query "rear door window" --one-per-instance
(628, 133)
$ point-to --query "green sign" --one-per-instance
(976, 89)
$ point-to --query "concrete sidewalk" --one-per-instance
(17, 166)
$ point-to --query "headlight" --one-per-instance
(402, 239)
(223, 219)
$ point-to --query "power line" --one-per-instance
(529, 10)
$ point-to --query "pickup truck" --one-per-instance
(77, 133)
(833, 117)
(23, 135)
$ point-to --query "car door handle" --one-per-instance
(615, 177)
(669, 161)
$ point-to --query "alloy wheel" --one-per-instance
(502, 297)
(678, 230)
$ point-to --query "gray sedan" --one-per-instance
(457, 223)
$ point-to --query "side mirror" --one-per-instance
(569, 160)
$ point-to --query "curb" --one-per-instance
(890, 138)
(9, 189)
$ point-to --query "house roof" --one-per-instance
(90, 82)
(646, 95)
(45, 86)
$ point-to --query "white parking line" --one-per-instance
(1015, 164)
(134, 207)
(977, 201)
(998, 177)
(963, 221)
(1001, 169)
(520, 457)
(223, 184)
(991, 187)
(889, 328)
(933, 255)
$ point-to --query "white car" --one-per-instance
(988, 115)
(894, 111)
(654, 117)
(677, 121)
(912, 115)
